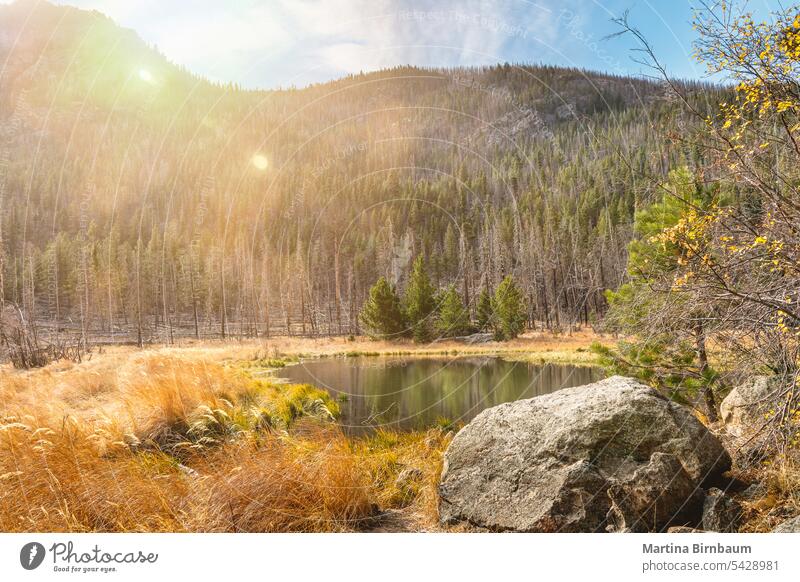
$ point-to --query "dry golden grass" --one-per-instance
(59, 479)
(308, 484)
(532, 345)
(169, 440)
(781, 496)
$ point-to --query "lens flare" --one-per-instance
(146, 76)
(260, 161)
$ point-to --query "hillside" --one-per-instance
(142, 202)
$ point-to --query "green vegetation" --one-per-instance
(715, 264)
(453, 318)
(270, 362)
(670, 328)
(485, 315)
(508, 308)
(442, 312)
(382, 314)
(419, 302)
(298, 400)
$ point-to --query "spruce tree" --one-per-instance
(509, 310)
(485, 314)
(453, 316)
(382, 314)
(420, 303)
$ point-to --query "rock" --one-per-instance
(475, 338)
(743, 409)
(684, 529)
(580, 459)
(479, 338)
(789, 526)
(721, 512)
(642, 501)
(754, 491)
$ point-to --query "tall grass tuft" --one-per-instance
(65, 478)
(308, 485)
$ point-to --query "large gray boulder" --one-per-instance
(744, 408)
(611, 455)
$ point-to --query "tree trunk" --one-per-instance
(194, 297)
(702, 356)
(139, 339)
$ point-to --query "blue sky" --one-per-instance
(280, 43)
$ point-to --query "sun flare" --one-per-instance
(146, 76)
(260, 161)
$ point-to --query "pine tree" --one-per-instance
(485, 315)
(674, 357)
(453, 316)
(509, 310)
(381, 314)
(420, 303)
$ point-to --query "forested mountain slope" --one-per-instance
(138, 200)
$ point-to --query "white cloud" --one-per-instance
(281, 42)
(354, 35)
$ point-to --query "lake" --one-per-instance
(419, 392)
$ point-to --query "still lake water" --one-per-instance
(409, 393)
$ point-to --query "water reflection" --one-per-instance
(410, 393)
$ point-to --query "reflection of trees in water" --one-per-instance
(414, 393)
